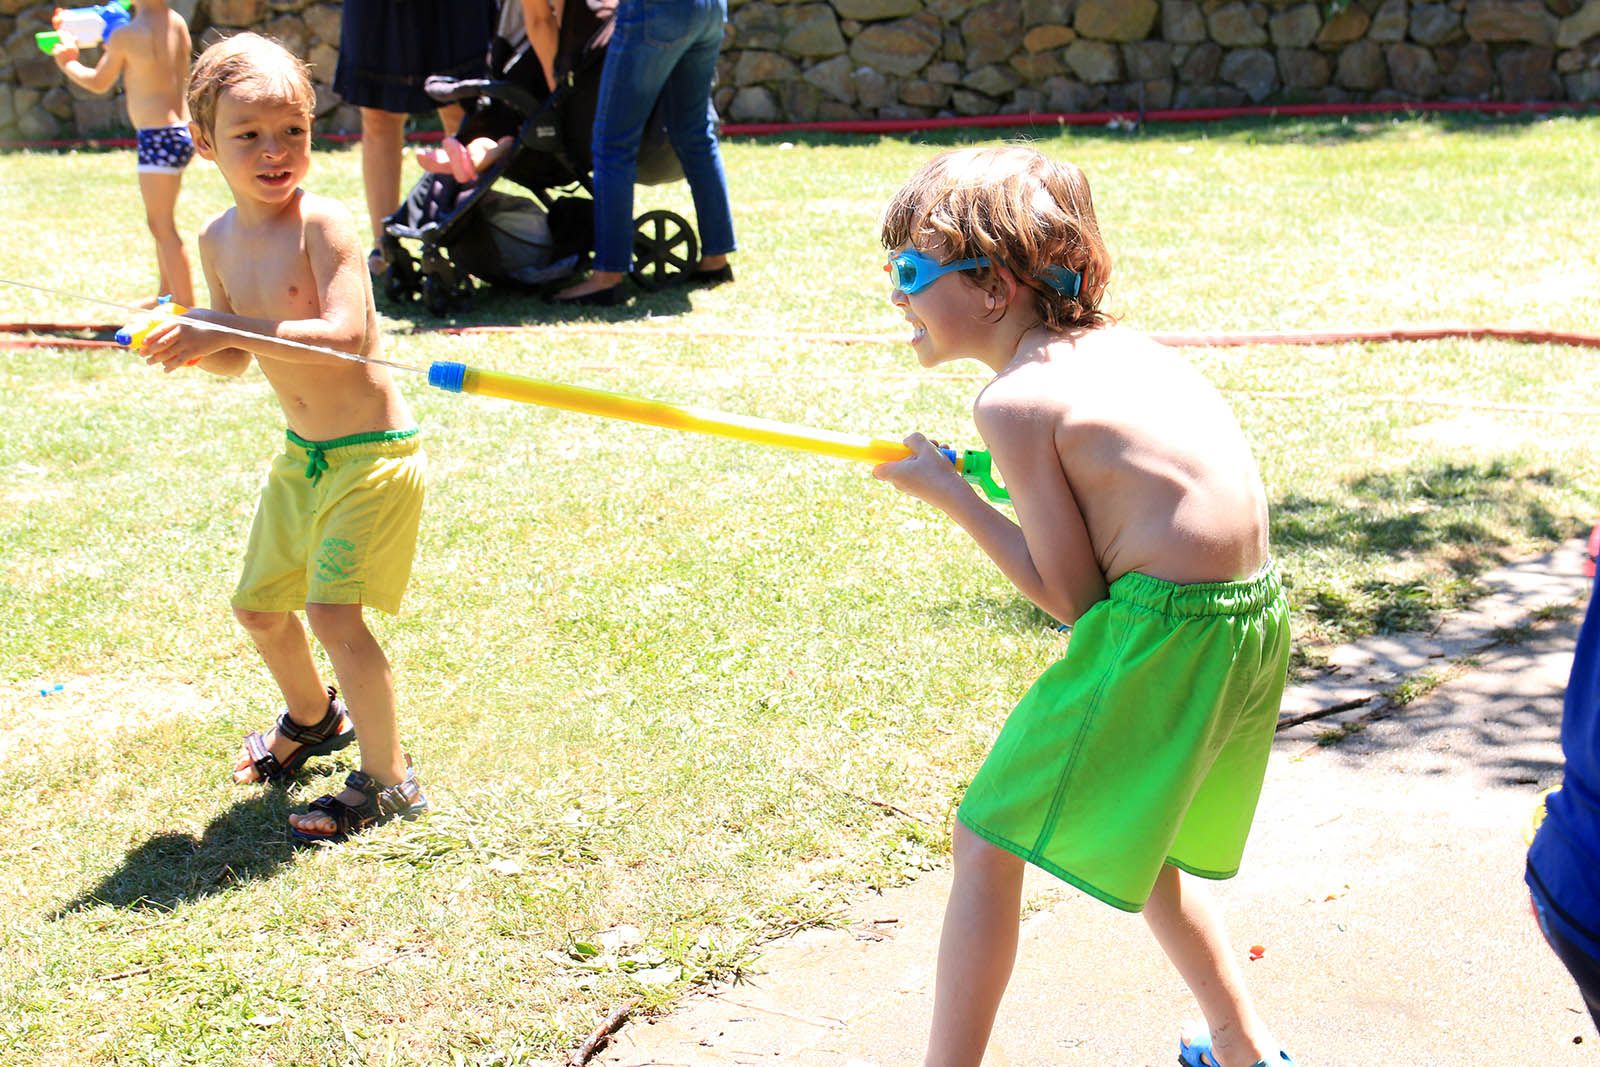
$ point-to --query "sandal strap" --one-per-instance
(261, 757)
(319, 731)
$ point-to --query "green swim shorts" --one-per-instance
(1147, 743)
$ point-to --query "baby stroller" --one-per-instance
(470, 230)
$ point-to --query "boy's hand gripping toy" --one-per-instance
(459, 378)
(134, 334)
(83, 26)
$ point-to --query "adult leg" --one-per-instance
(160, 193)
(691, 125)
(631, 80)
(382, 139)
(281, 640)
(367, 682)
(1184, 919)
(977, 948)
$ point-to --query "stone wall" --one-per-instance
(801, 61)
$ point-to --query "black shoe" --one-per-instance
(708, 278)
(602, 298)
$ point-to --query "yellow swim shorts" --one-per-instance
(1147, 744)
(336, 523)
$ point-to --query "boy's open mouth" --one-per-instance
(273, 177)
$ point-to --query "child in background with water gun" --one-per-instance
(150, 53)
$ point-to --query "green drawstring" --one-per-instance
(317, 462)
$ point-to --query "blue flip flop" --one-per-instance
(1196, 1052)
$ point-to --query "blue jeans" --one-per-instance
(1584, 968)
(664, 49)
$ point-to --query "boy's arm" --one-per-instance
(1048, 557)
(102, 77)
(339, 273)
(228, 362)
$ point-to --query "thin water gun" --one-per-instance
(973, 465)
(84, 26)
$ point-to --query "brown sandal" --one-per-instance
(379, 804)
(329, 734)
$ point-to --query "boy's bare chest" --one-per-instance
(269, 277)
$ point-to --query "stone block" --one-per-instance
(1200, 65)
(1094, 62)
(799, 100)
(290, 31)
(832, 76)
(1066, 95)
(1510, 21)
(1412, 71)
(925, 94)
(1303, 68)
(323, 21)
(754, 103)
(1436, 24)
(1469, 75)
(323, 59)
(1153, 94)
(1580, 26)
(1147, 60)
(1192, 96)
(1295, 27)
(1344, 28)
(1035, 67)
(8, 106)
(1115, 20)
(1584, 85)
(1024, 102)
(758, 25)
(1046, 38)
(813, 32)
(1252, 70)
(1048, 12)
(58, 102)
(944, 72)
(872, 89)
(967, 102)
(1234, 25)
(1389, 22)
(98, 116)
(1527, 74)
(1361, 67)
(1182, 22)
(38, 71)
(37, 124)
(756, 68)
(876, 10)
(236, 13)
(993, 80)
(991, 32)
(902, 47)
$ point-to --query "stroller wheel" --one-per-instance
(435, 295)
(399, 286)
(664, 249)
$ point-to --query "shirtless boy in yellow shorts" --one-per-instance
(337, 523)
(151, 56)
(1136, 762)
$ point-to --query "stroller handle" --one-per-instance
(446, 89)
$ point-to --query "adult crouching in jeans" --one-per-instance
(664, 49)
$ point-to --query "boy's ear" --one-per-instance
(1004, 287)
(202, 145)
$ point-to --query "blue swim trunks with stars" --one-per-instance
(165, 149)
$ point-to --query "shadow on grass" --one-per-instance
(244, 843)
(513, 306)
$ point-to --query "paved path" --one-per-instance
(1383, 879)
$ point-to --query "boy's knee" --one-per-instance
(259, 622)
(330, 621)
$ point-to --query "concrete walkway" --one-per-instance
(1383, 880)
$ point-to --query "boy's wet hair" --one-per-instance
(1023, 211)
(253, 68)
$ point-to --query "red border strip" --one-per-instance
(1029, 118)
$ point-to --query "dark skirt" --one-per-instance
(388, 48)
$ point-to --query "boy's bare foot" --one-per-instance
(279, 753)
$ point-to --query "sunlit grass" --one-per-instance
(653, 680)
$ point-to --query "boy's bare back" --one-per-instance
(155, 49)
(1152, 455)
(269, 271)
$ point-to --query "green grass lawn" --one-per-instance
(655, 683)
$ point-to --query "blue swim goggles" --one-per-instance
(913, 271)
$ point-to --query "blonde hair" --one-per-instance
(252, 67)
(1023, 211)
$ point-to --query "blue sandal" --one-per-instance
(1196, 1052)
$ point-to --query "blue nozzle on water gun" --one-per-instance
(451, 377)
